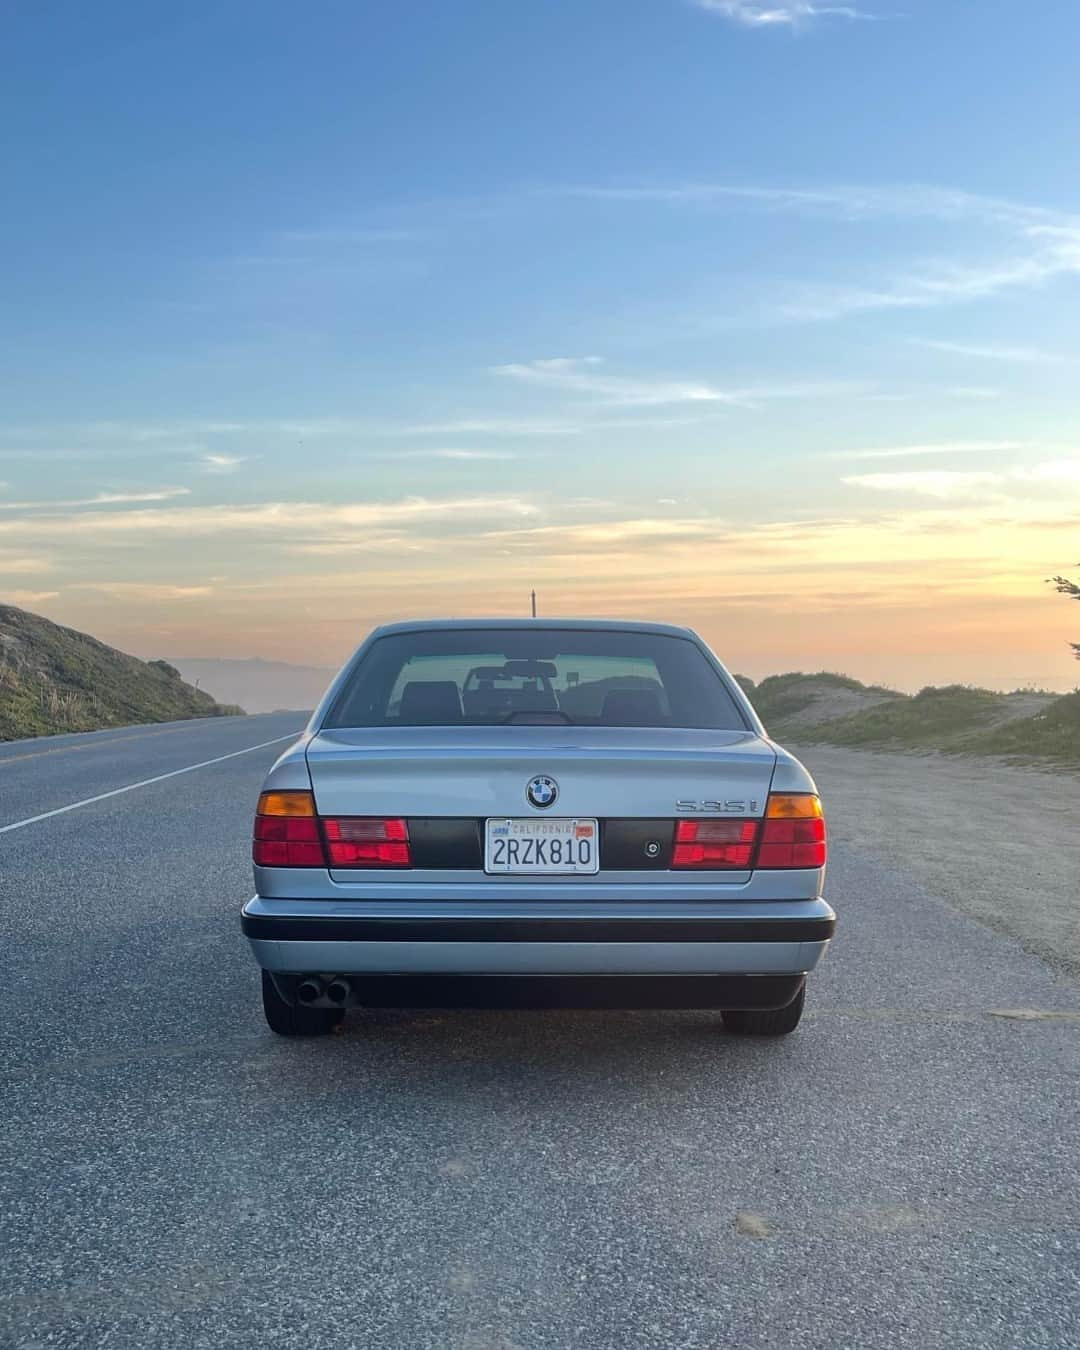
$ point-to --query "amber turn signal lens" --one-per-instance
(286, 804)
(794, 806)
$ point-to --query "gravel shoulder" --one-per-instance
(998, 842)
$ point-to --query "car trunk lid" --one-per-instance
(610, 773)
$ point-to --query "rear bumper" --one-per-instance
(561, 991)
(411, 938)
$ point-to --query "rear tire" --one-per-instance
(288, 1020)
(765, 1022)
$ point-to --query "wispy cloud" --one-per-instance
(540, 426)
(937, 284)
(777, 13)
(1041, 244)
(30, 599)
(140, 432)
(455, 454)
(487, 426)
(1051, 471)
(942, 483)
(13, 564)
(222, 463)
(296, 520)
(185, 433)
(93, 441)
(100, 499)
(939, 448)
(840, 201)
(1040, 253)
(947, 483)
(602, 536)
(143, 590)
(987, 352)
(379, 544)
(580, 375)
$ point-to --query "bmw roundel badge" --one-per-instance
(542, 791)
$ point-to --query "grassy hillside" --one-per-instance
(808, 700)
(836, 710)
(54, 679)
(1053, 733)
(932, 718)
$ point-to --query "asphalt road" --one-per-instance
(903, 1171)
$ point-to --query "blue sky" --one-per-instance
(760, 316)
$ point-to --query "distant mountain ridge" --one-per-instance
(260, 686)
(55, 679)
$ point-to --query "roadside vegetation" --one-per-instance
(54, 679)
(1053, 734)
(1026, 725)
(812, 699)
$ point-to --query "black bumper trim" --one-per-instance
(364, 928)
(597, 992)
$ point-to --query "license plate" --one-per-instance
(542, 847)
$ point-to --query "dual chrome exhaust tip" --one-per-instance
(312, 989)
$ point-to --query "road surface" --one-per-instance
(900, 1172)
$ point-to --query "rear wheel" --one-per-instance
(289, 1020)
(765, 1022)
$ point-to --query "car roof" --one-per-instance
(529, 625)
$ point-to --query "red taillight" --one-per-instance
(794, 833)
(289, 833)
(287, 841)
(715, 844)
(792, 843)
(791, 835)
(364, 841)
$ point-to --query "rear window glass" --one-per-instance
(489, 677)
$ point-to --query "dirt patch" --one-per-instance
(996, 841)
(826, 704)
(806, 700)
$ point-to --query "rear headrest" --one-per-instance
(431, 702)
(632, 707)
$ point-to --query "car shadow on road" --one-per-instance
(557, 1041)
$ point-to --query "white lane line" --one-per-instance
(145, 782)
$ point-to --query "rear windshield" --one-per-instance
(488, 677)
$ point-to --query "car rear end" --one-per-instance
(537, 814)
